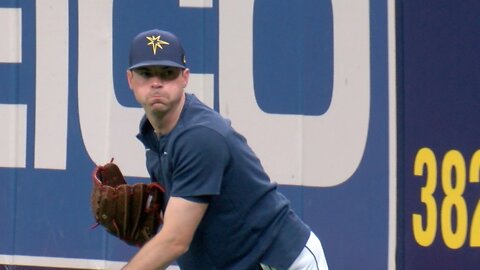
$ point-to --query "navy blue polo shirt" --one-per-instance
(248, 221)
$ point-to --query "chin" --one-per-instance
(159, 109)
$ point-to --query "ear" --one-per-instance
(185, 76)
(129, 78)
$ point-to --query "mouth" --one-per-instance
(157, 96)
(157, 99)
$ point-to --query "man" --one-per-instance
(222, 211)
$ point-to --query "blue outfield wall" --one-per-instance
(439, 148)
(307, 83)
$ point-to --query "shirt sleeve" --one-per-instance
(199, 160)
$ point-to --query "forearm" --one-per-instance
(180, 222)
(157, 254)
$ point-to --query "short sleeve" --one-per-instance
(199, 159)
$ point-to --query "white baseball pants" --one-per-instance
(312, 257)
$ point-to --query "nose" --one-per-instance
(156, 81)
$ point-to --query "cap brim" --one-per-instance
(163, 63)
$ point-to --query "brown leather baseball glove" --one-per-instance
(132, 213)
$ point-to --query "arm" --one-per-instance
(180, 222)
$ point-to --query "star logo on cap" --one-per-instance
(156, 42)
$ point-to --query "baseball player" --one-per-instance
(222, 211)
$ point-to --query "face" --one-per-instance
(158, 89)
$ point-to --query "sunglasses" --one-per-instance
(164, 73)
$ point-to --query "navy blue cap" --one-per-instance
(156, 48)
